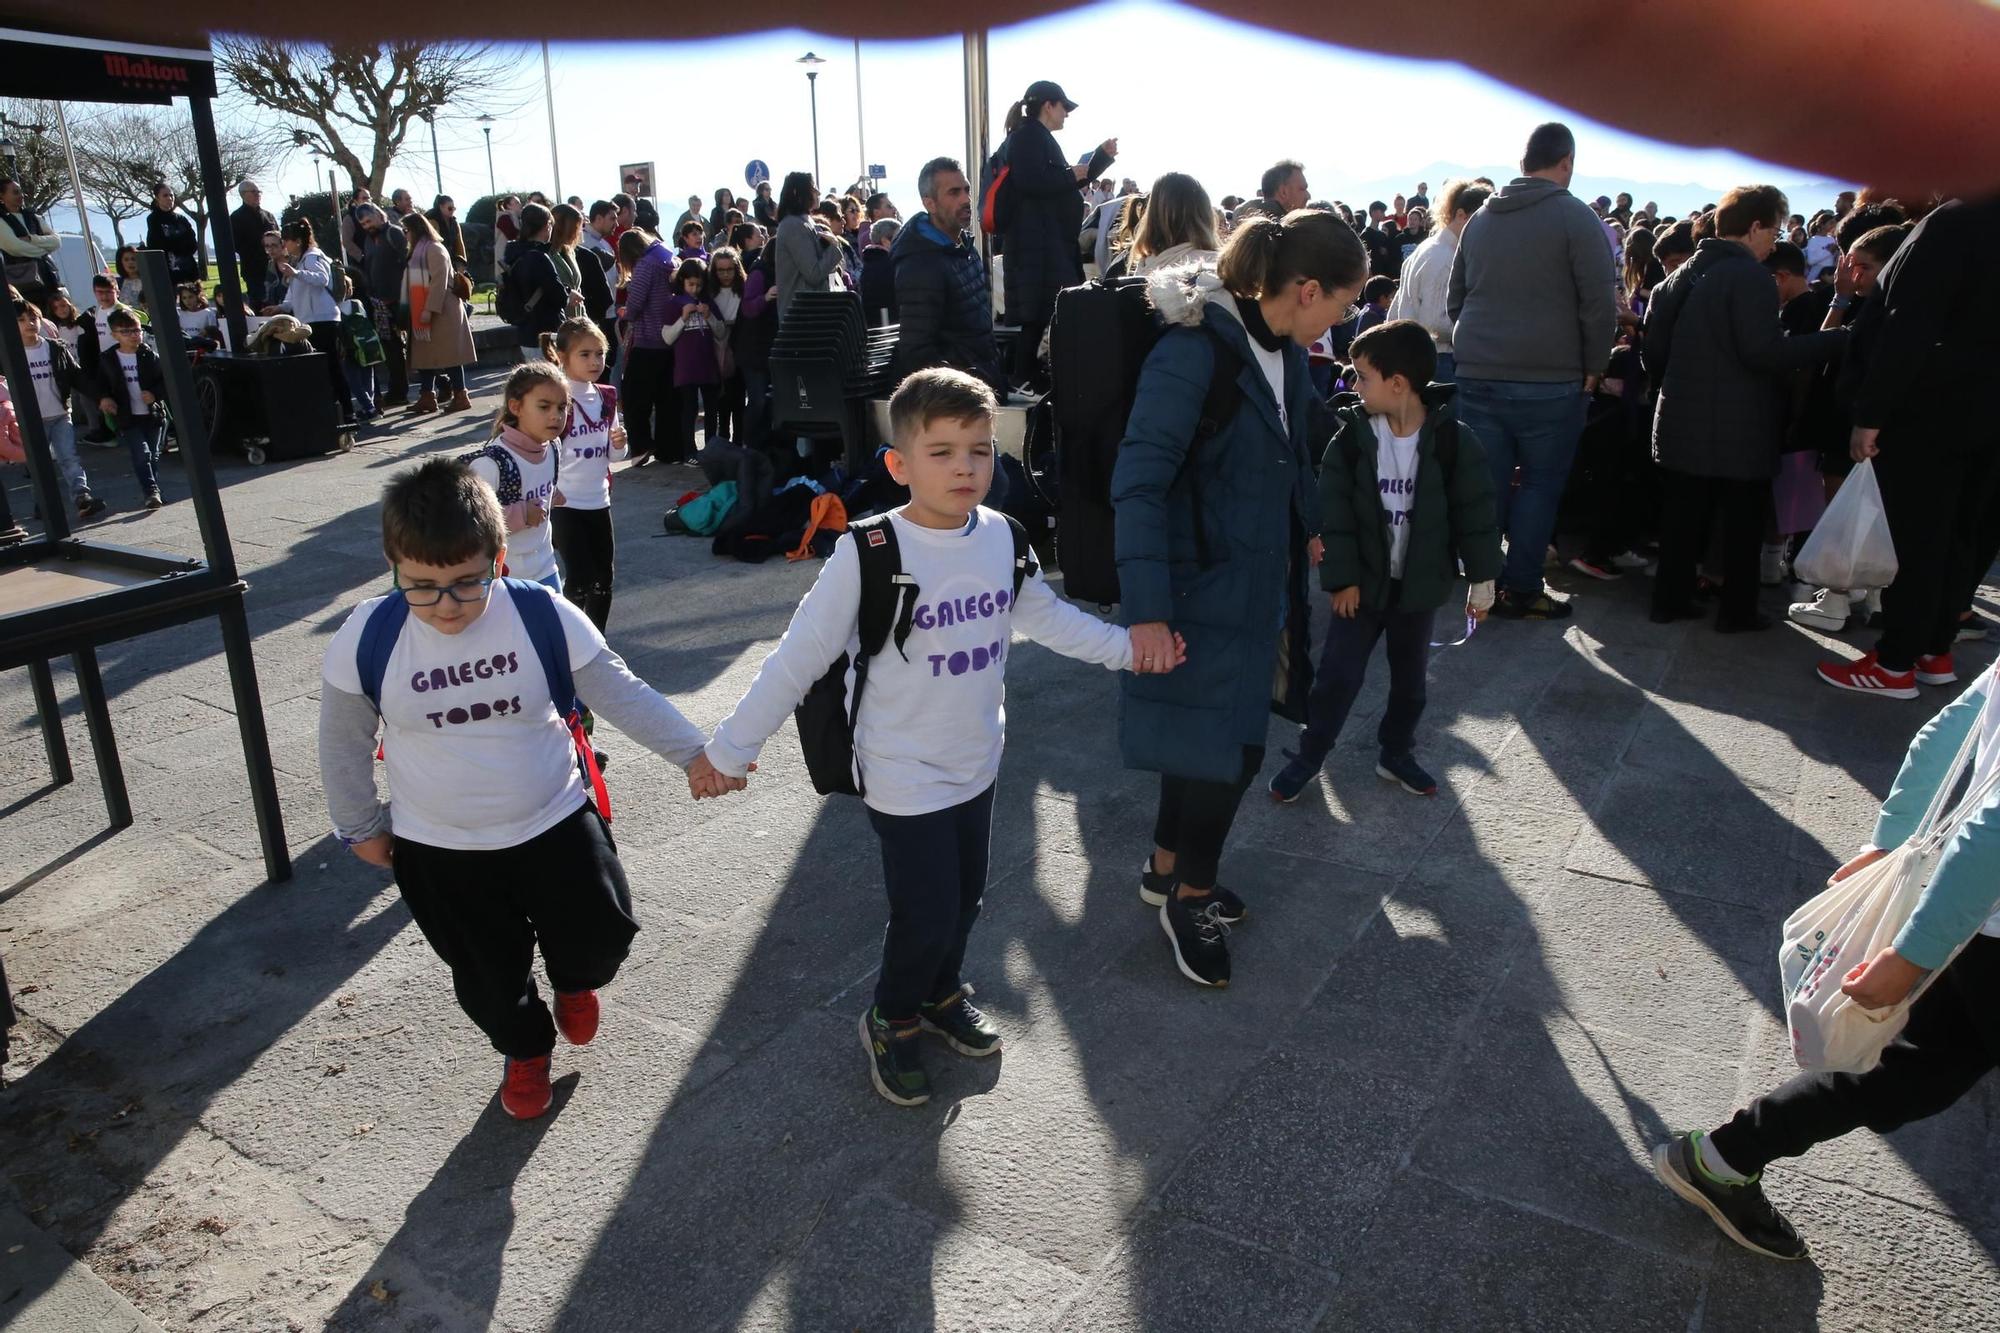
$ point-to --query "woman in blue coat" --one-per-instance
(1216, 529)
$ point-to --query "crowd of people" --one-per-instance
(1427, 402)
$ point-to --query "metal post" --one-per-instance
(812, 86)
(437, 163)
(217, 190)
(491, 188)
(978, 129)
(190, 427)
(76, 185)
(549, 92)
(860, 125)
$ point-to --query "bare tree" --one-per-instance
(356, 103)
(124, 153)
(37, 160)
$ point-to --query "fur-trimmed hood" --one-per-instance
(1183, 293)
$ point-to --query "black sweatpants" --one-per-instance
(934, 867)
(484, 912)
(1195, 817)
(1951, 1041)
(695, 400)
(583, 542)
(647, 402)
(324, 336)
(1343, 668)
(1934, 498)
(1690, 506)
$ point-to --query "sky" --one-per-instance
(1356, 119)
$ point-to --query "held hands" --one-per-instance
(1346, 602)
(1156, 649)
(1861, 444)
(705, 782)
(375, 851)
(1884, 980)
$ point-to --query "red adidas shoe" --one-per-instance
(1936, 670)
(1868, 676)
(576, 1016)
(524, 1091)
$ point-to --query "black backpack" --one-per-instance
(1100, 339)
(827, 714)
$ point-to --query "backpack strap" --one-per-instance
(378, 641)
(1447, 446)
(536, 606)
(888, 595)
(1024, 554)
(509, 490)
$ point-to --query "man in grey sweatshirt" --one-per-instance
(1533, 300)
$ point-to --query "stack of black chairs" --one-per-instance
(825, 365)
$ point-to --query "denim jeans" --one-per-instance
(141, 439)
(1534, 427)
(69, 468)
(1343, 666)
(1447, 371)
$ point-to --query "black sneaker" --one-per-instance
(1292, 779)
(1741, 1211)
(1406, 771)
(893, 1062)
(153, 500)
(1154, 888)
(961, 1023)
(1511, 606)
(90, 506)
(1197, 930)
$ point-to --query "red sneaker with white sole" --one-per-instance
(576, 1016)
(1868, 676)
(1936, 670)
(524, 1091)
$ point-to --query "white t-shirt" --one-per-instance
(476, 755)
(931, 727)
(43, 373)
(98, 315)
(584, 471)
(1273, 366)
(530, 553)
(198, 323)
(128, 365)
(1396, 477)
(1822, 253)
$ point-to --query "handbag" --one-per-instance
(1856, 919)
(461, 284)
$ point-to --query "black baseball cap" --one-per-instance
(1045, 90)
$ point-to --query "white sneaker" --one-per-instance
(1629, 561)
(1771, 565)
(1827, 612)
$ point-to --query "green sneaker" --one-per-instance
(961, 1023)
(893, 1062)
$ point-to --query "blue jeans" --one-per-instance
(1343, 666)
(69, 468)
(141, 439)
(1534, 427)
(1447, 371)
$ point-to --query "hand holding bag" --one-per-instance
(1856, 919)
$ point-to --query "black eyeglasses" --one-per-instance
(430, 594)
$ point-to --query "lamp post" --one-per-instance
(811, 62)
(486, 127)
(860, 125)
(437, 163)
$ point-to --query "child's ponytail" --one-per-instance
(547, 342)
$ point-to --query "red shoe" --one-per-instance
(576, 1016)
(1936, 670)
(524, 1092)
(1868, 676)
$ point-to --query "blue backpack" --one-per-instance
(537, 608)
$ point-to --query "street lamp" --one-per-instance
(486, 126)
(437, 163)
(811, 61)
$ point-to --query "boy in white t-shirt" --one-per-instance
(929, 730)
(56, 375)
(496, 844)
(1407, 498)
(129, 383)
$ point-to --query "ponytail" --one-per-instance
(547, 342)
(576, 329)
(1309, 245)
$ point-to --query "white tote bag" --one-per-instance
(1856, 919)
(1850, 546)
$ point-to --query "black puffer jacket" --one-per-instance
(1039, 250)
(1716, 348)
(945, 305)
(167, 229)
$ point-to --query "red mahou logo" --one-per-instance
(145, 70)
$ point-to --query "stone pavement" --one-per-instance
(1457, 1025)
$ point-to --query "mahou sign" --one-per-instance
(88, 69)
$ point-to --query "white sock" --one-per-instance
(1711, 1162)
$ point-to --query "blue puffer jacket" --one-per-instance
(944, 303)
(1255, 485)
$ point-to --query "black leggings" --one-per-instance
(325, 337)
(485, 912)
(1195, 818)
(694, 398)
(1952, 1041)
(647, 404)
(583, 542)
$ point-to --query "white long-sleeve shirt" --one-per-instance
(932, 720)
(309, 295)
(1426, 285)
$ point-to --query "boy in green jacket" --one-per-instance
(1405, 499)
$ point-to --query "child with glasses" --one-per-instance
(489, 829)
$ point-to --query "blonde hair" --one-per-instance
(1178, 212)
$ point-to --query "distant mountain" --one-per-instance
(1806, 196)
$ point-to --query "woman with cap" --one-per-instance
(1044, 212)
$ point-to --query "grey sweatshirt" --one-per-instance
(806, 260)
(1533, 294)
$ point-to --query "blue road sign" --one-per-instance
(756, 173)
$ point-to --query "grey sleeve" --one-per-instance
(608, 686)
(1596, 291)
(347, 727)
